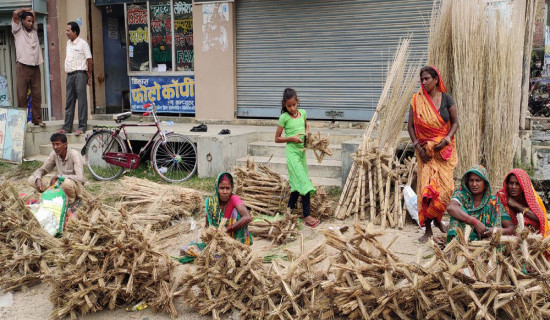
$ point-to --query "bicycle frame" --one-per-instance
(131, 160)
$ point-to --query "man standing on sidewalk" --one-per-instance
(29, 57)
(78, 66)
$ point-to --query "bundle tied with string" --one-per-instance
(319, 145)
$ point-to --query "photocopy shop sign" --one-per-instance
(170, 94)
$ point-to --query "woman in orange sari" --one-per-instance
(519, 196)
(433, 121)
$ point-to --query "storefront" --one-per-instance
(334, 53)
(7, 53)
(148, 54)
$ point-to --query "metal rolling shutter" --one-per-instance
(334, 53)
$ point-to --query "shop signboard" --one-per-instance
(171, 94)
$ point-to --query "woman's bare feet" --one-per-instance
(442, 227)
(428, 233)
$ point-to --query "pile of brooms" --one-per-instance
(266, 192)
(373, 187)
(230, 276)
(106, 261)
(502, 277)
(27, 251)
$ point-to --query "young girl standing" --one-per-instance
(293, 121)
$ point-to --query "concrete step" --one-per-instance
(269, 148)
(38, 157)
(327, 169)
(46, 149)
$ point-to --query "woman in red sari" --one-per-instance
(433, 121)
(519, 196)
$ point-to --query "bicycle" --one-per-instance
(173, 156)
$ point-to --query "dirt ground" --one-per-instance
(33, 303)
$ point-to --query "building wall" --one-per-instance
(215, 61)
(540, 21)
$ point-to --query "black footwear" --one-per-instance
(200, 128)
(225, 131)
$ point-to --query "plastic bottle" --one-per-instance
(168, 123)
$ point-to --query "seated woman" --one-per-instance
(473, 204)
(226, 204)
(518, 195)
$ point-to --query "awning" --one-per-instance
(110, 2)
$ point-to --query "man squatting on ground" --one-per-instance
(78, 66)
(69, 164)
(29, 57)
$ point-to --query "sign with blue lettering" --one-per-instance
(171, 94)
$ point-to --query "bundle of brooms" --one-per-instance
(377, 174)
(27, 251)
(106, 261)
(229, 275)
(489, 279)
(148, 202)
(318, 144)
(264, 191)
(279, 229)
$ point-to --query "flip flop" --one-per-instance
(312, 224)
(200, 128)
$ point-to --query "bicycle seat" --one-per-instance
(122, 116)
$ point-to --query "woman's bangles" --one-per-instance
(471, 221)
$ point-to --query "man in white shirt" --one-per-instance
(78, 66)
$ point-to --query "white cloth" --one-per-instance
(78, 53)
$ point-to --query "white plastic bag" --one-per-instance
(411, 202)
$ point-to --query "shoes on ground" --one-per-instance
(200, 128)
(225, 131)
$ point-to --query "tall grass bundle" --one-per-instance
(374, 172)
(470, 58)
(440, 48)
(503, 91)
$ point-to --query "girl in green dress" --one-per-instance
(294, 123)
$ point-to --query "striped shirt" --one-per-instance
(78, 53)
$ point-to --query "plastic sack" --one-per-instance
(411, 202)
(52, 209)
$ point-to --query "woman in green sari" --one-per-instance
(227, 205)
(473, 204)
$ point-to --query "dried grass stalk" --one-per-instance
(279, 230)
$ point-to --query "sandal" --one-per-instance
(225, 131)
(200, 128)
(63, 131)
(313, 224)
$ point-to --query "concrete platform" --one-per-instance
(215, 153)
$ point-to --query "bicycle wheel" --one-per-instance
(176, 159)
(95, 148)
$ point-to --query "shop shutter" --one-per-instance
(334, 53)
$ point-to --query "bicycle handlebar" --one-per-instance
(146, 114)
(146, 105)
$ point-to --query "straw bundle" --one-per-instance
(107, 261)
(27, 251)
(479, 49)
(503, 94)
(318, 144)
(264, 191)
(503, 277)
(227, 275)
(376, 171)
(148, 202)
(279, 230)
